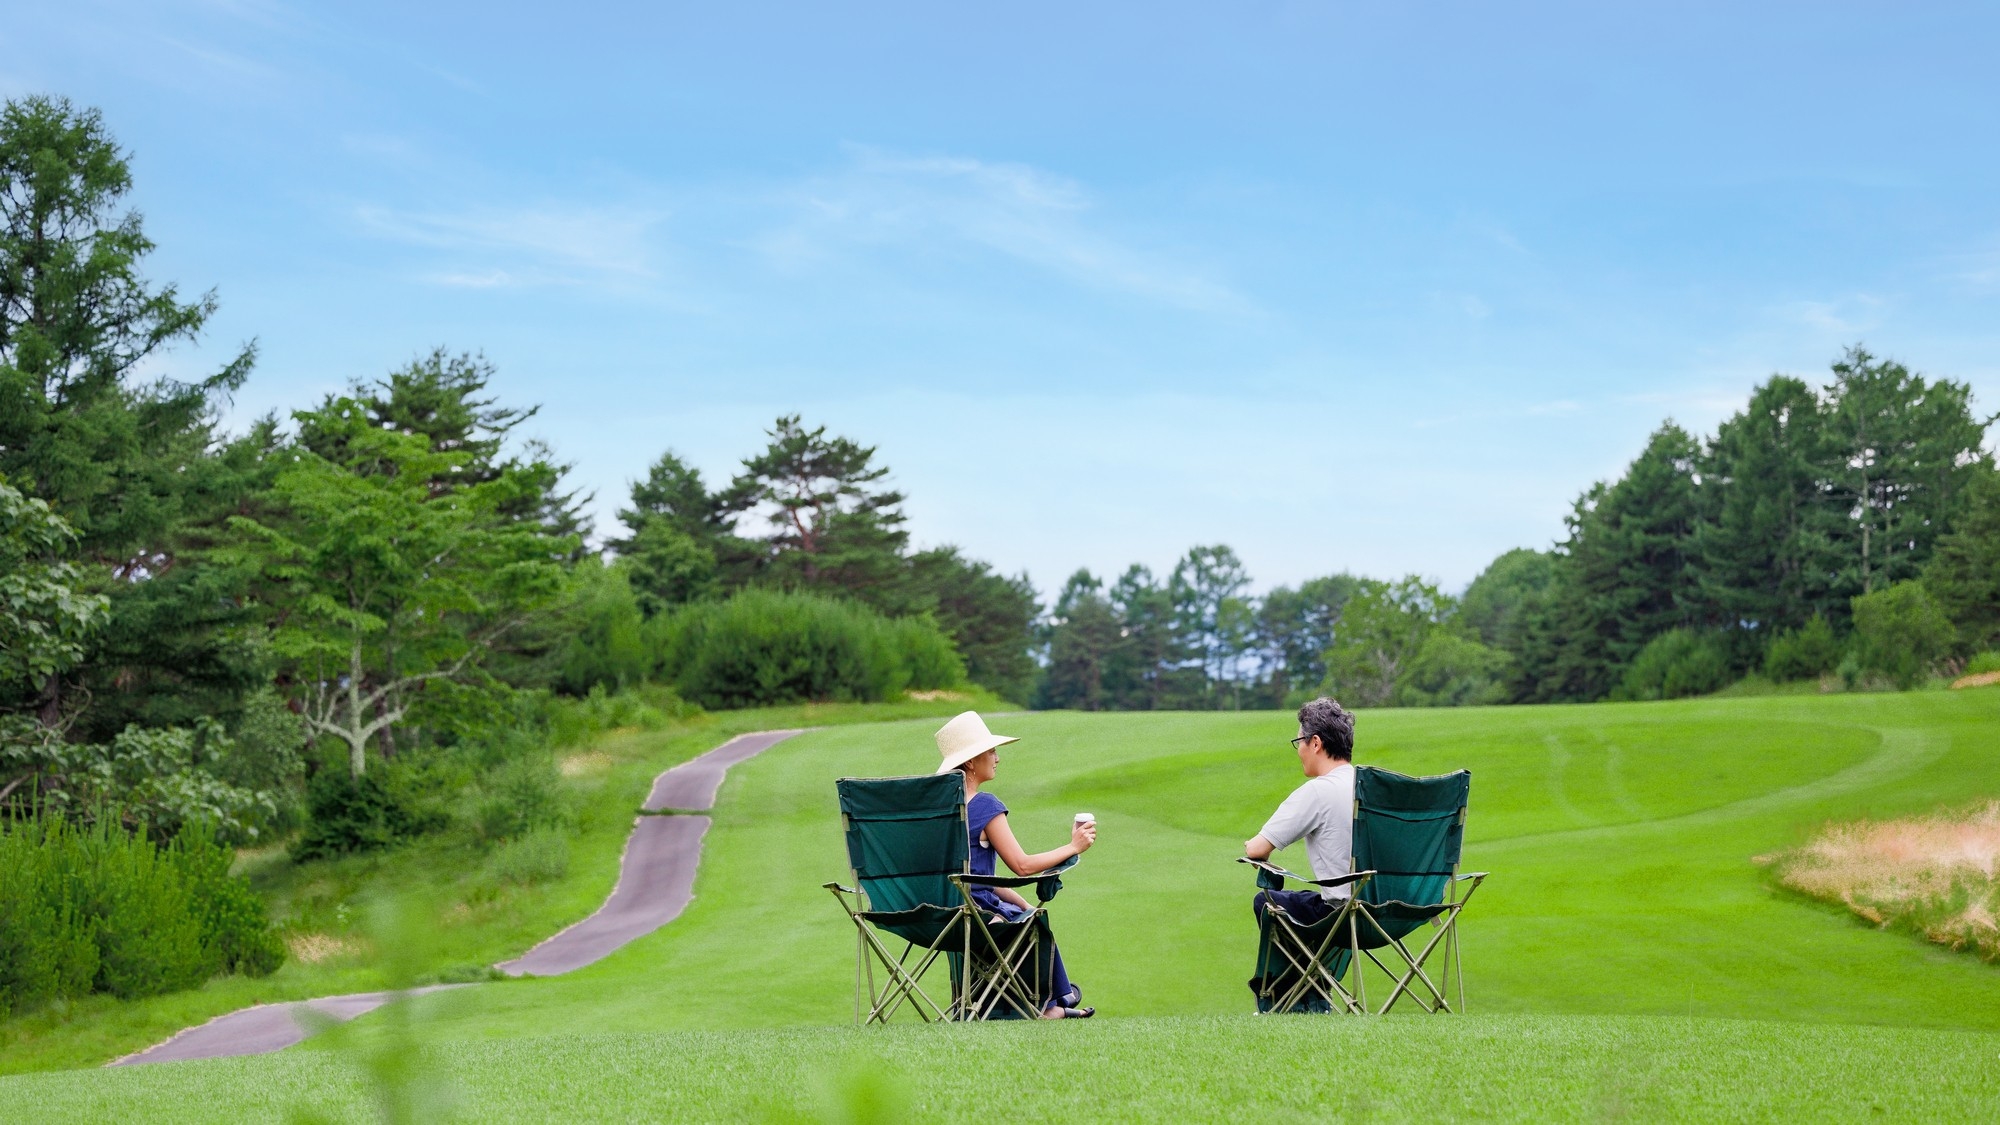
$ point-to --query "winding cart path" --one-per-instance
(655, 883)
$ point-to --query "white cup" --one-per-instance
(1086, 818)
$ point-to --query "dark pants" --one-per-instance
(1061, 991)
(1305, 907)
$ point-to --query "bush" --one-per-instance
(540, 856)
(1804, 653)
(235, 926)
(927, 653)
(524, 794)
(604, 647)
(1984, 662)
(346, 814)
(1675, 664)
(763, 647)
(101, 910)
(1900, 632)
(573, 722)
(149, 936)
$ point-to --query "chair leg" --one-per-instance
(1311, 966)
(1414, 963)
(1004, 981)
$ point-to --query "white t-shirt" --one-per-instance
(1321, 812)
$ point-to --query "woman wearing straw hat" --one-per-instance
(974, 751)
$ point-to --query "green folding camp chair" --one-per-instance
(1408, 833)
(907, 848)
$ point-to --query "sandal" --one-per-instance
(1078, 1013)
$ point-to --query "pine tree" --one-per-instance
(1624, 573)
(1766, 540)
(1964, 573)
(1901, 453)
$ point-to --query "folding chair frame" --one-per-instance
(990, 972)
(1310, 962)
(901, 981)
(1446, 924)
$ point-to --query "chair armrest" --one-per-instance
(1046, 884)
(1460, 878)
(1019, 880)
(836, 887)
(1272, 877)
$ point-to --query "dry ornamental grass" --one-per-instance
(1938, 875)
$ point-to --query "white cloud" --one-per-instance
(1843, 316)
(549, 244)
(1014, 210)
(489, 279)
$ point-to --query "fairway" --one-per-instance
(1621, 838)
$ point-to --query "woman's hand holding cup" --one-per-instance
(1084, 833)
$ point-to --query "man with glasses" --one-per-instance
(1320, 812)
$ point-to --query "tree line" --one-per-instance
(1848, 531)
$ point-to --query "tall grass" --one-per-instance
(1938, 875)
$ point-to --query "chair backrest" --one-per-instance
(1409, 831)
(905, 838)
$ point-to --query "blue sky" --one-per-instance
(1377, 287)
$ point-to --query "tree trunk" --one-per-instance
(357, 743)
(49, 711)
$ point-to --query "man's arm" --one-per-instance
(1285, 827)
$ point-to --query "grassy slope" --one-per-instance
(1621, 839)
(1227, 1068)
(478, 922)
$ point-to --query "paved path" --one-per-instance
(655, 883)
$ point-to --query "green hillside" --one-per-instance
(1621, 838)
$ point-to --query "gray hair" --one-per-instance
(1333, 724)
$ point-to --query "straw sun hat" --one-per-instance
(966, 738)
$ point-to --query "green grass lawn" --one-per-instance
(1191, 1068)
(1621, 838)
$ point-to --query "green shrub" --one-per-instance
(763, 647)
(235, 926)
(541, 856)
(524, 794)
(1804, 653)
(29, 933)
(1901, 632)
(103, 910)
(149, 937)
(573, 722)
(346, 814)
(1984, 662)
(926, 652)
(604, 647)
(1675, 664)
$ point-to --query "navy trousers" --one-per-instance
(1305, 906)
(1061, 991)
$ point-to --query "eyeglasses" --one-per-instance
(1302, 738)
